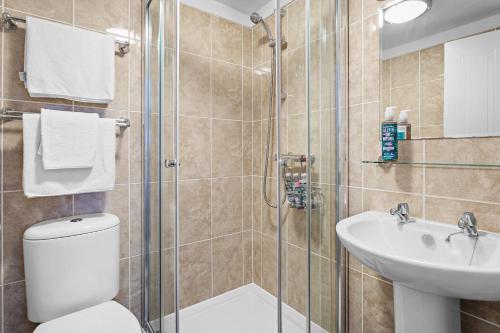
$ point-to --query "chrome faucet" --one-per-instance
(403, 213)
(468, 224)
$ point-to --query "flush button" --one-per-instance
(78, 219)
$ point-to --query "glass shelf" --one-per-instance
(435, 164)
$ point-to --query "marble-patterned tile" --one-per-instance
(228, 43)
(228, 263)
(113, 15)
(19, 214)
(378, 307)
(226, 206)
(15, 315)
(114, 202)
(195, 210)
(195, 273)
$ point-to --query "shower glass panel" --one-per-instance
(241, 181)
(159, 176)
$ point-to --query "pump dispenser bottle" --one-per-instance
(404, 127)
(389, 132)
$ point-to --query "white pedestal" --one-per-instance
(417, 311)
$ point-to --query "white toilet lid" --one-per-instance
(108, 317)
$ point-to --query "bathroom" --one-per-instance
(207, 104)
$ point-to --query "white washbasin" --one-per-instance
(425, 268)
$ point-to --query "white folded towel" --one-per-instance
(38, 182)
(69, 139)
(62, 61)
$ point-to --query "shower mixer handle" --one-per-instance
(171, 163)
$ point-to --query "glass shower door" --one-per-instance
(160, 167)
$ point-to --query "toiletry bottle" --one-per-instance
(404, 127)
(389, 132)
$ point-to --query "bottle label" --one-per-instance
(389, 142)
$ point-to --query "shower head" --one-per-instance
(256, 19)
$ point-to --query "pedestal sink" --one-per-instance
(429, 274)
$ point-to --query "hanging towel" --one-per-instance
(38, 182)
(62, 61)
(69, 139)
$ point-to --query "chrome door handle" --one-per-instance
(170, 163)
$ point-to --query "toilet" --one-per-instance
(72, 274)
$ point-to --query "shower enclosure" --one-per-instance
(244, 136)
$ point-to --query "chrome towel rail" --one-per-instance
(9, 114)
(10, 23)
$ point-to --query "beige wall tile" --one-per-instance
(468, 150)
(194, 85)
(247, 95)
(432, 63)
(486, 310)
(228, 43)
(124, 290)
(355, 145)
(15, 315)
(257, 258)
(247, 148)
(257, 203)
(60, 10)
(114, 202)
(195, 216)
(227, 148)
(472, 184)
(404, 70)
(195, 273)
(247, 208)
(384, 201)
(296, 93)
(247, 257)
(258, 44)
(226, 91)
(257, 147)
(195, 31)
(112, 14)
(355, 302)
(432, 103)
(194, 148)
(226, 206)
(355, 10)
(247, 47)
(228, 263)
(398, 178)
(355, 62)
(136, 227)
(472, 325)
(19, 214)
(378, 307)
(450, 210)
(371, 60)
(297, 30)
(297, 278)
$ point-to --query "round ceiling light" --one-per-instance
(405, 10)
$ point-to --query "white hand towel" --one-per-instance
(62, 61)
(38, 182)
(69, 139)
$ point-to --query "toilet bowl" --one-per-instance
(72, 274)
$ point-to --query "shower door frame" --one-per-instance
(340, 94)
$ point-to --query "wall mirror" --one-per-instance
(440, 60)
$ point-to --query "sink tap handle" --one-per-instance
(403, 213)
(468, 222)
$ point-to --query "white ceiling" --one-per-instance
(245, 6)
(443, 16)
